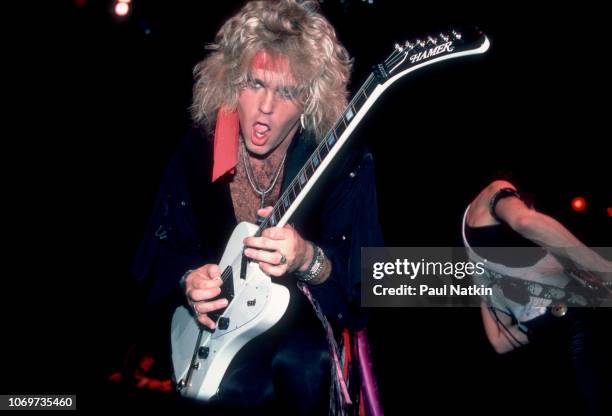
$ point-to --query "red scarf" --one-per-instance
(225, 155)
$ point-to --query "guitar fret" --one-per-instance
(359, 101)
(294, 195)
(280, 211)
(337, 132)
(349, 114)
(369, 89)
(324, 150)
(309, 170)
(316, 159)
(298, 188)
(331, 139)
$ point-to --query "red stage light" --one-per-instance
(579, 204)
(610, 211)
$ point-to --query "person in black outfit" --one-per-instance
(272, 86)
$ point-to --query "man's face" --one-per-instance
(268, 112)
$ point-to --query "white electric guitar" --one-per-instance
(200, 357)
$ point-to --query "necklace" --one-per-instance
(247, 167)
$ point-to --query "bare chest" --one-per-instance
(245, 199)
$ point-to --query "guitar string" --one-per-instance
(226, 273)
(393, 58)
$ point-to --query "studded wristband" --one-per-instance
(315, 267)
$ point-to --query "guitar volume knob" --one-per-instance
(203, 352)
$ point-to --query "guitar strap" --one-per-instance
(339, 397)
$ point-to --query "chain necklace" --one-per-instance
(247, 167)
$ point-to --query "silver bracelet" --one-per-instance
(315, 267)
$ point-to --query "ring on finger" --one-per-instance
(283, 259)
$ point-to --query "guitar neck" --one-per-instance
(322, 156)
(406, 58)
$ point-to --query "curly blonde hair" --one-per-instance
(292, 29)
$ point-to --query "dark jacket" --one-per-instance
(193, 219)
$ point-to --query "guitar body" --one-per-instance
(200, 357)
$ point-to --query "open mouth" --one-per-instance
(260, 133)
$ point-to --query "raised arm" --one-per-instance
(550, 234)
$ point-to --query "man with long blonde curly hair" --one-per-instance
(272, 86)
(292, 34)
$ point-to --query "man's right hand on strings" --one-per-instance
(201, 285)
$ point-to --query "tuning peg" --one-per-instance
(399, 47)
(444, 37)
(432, 40)
(420, 42)
(456, 35)
(409, 45)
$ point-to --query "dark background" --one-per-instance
(104, 104)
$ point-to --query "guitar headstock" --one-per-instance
(426, 50)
